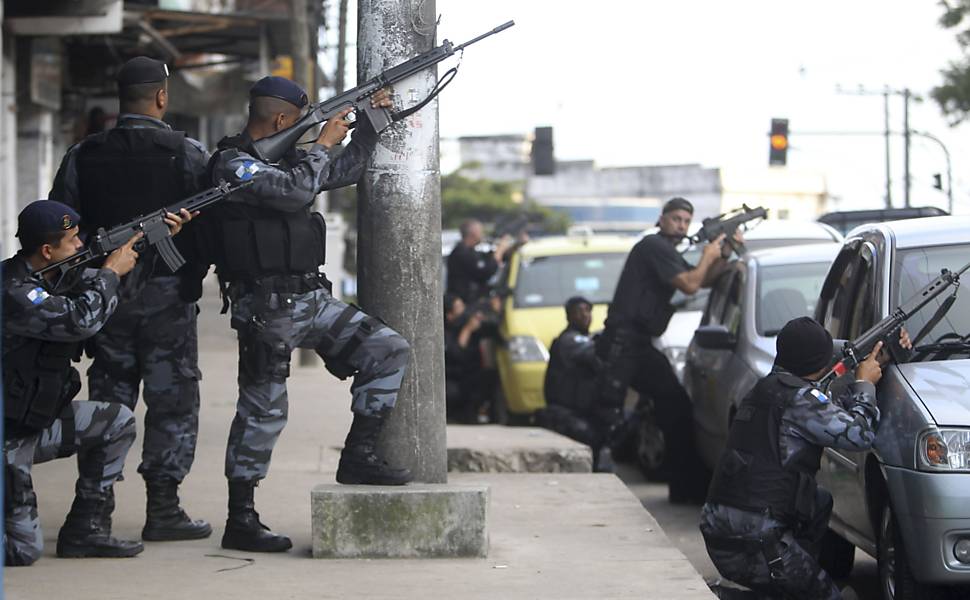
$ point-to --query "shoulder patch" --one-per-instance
(580, 338)
(37, 295)
(818, 395)
(246, 170)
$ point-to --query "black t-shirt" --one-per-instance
(643, 293)
(469, 272)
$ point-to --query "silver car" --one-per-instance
(735, 344)
(907, 501)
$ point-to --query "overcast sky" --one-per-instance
(649, 82)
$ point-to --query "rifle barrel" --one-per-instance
(501, 27)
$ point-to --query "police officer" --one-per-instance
(268, 247)
(765, 516)
(640, 311)
(139, 166)
(468, 269)
(42, 331)
(570, 386)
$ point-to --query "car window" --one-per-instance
(551, 280)
(731, 317)
(786, 292)
(863, 312)
(916, 268)
(838, 308)
(720, 292)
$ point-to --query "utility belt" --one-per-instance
(262, 287)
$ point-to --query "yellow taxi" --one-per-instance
(542, 275)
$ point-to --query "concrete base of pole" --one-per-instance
(497, 449)
(413, 521)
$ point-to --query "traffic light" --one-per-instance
(543, 155)
(778, 143)
(938, 181)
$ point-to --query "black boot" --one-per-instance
(359, 462)
(87, 531)
(164, 518)
(244, 531)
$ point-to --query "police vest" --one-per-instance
(750, 475)
(126, 172)
(568, 384)
(38, 379)
(248, 242)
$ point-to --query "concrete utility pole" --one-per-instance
(906, 138)
(399, 232)
(889, 186)
(300, 36)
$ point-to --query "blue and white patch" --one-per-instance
(580, 339)
(246, 171)
(822, 398)
(37, 295)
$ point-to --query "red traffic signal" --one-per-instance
(778, 143)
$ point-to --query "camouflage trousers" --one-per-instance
(102, 435)
(794, 572)
(270, 326)
(152, 341)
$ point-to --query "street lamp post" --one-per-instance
(949, 172)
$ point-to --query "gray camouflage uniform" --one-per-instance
(102, 432)
(810, 419)
(272, 324)
(152, 340)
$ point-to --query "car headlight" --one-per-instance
(943, 450)
(525, 348)
(677, 355)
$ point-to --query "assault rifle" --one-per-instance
(157, 234)
(858, 349)
(272, 148)
(727, 224)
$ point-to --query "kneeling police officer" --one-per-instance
(42, 331)
(765, 515)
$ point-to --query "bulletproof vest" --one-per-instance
(38, 379)
(566, 384)
(126, 172)
(750, 475)
(247, 242)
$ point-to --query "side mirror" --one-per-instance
(715, 337)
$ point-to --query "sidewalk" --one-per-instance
(552, 535)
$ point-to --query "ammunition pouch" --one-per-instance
(38, 382)
(259, 360)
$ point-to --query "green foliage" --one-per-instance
(953, 95)
(490, 202)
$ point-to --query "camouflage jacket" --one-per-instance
(32, 311)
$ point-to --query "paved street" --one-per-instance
(680, 524)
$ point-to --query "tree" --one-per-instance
(953, 95)
(491, 202)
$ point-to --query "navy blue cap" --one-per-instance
(46, 216)
(678, 203)
(280, 87)
(577, 300)
(142, 69)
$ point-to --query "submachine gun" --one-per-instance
(271, 149)
(157, 234)
(727, 224)
(855, 351)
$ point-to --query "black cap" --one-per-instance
(142, 69)
(678, 203)
(575, 300)
(280, 87)
(42, 217)
(803, 347)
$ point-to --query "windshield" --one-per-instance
(551, 280)
(916, 268)
(786, 292)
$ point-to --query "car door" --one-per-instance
(707, 368)
(849, 306)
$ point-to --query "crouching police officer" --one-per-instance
(268, 247)
(42, 331)
(765, 515)
(570, 385)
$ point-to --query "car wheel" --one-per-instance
(836, 555)
(650, 448)
(896, 581)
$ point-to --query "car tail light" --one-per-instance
(943, 450)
